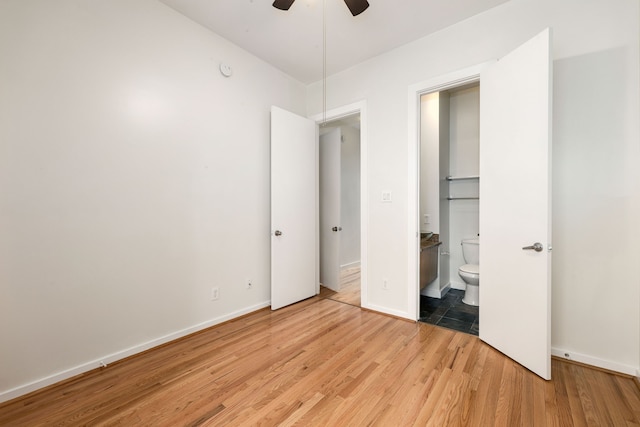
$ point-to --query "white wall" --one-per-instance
(130, 182)
(464, 126)
(434, 168)
(430, 162)
(595, 309)
(350, 197)
(444, 158)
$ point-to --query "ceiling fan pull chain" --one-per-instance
(324, 62)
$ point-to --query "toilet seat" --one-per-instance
(470, 268)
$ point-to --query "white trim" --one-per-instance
(435, 292)
(596, 362)
(317, 142)
(443, 82)
(338, 113)
(461, 286)
(385, 310)
(110, 358)
(350, 265)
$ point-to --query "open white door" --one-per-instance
(330, 209)
(293, 208)
(515, 205)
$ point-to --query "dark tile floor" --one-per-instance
(450, 312)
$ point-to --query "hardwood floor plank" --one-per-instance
(597, 380)
(506, 394)
(629, 393)
(590, 406)
(471, 408)
(448, 410)
(325, 363)
(349, 292)
(425, 416)
(565, 395)
(489, 388)
(302, 410)
(535, 412)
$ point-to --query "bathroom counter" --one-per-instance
(424, 244)
(430, 242)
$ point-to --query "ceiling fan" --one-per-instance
(355, 6)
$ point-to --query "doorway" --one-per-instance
(449, 203)
(515, 210)
(295, 154)
(451, 81)
(340, 210)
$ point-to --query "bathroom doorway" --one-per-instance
(449, 202)
(340, 209)
(515, 210)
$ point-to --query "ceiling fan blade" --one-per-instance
(356, 6)
(283, 4)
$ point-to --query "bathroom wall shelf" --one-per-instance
(459, 178)
(462, 178)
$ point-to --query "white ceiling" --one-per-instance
(292, 40)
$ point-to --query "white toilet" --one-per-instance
(470, 272)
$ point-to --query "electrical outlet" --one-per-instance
(215, 294)
(427, 219)
(385, 284)
(249, 284)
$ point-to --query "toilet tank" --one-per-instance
(471, 251)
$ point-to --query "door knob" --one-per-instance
(278, 233)
(537, 246)
(337, 228)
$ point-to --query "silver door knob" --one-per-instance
(537, 246)
(278, 233)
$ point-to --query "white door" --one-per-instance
(330, 228)
(515, 208)
(293, 208)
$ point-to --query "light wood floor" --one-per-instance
(349, 287)
(324, 363)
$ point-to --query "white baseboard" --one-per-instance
(350, 265)
(443, 291)
(385, 310)
(461, 286)
(435, 292)
(110, 358)
(431, 292)
(596, 362)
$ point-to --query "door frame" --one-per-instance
(446, 81)
(359, 107)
